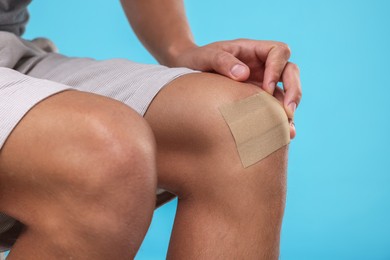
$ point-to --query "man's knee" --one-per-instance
(223, 145)
(259, 126)
(94, 158)
(113, 152)
(110, 156)
(230, 112)
(107, 200)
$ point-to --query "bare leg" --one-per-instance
(79, 172)
(224, 210)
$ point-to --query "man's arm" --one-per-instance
(163, 29)
(161, 26)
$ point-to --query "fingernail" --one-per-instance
(292, 125)
(238, 70)
(292, 106)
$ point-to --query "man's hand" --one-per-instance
(263, 63)
(168, 38)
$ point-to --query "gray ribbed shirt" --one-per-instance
(13, 15)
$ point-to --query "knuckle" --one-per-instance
(284, 48)
(299, 94)
(295, 67)
(220, 59)
(240, 40)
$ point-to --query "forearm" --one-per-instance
(161, 26)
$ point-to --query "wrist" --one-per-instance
(174, 51)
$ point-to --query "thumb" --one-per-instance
(226, 64)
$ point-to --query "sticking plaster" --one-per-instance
(259, 126)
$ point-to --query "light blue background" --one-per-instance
(338, 203)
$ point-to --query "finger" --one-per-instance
(226, 64)
(292, 88)
(279, 95)
(293, 131)
(277, 59)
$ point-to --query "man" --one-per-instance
(85, 143)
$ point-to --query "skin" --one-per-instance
(224, 211)
(66, 172)
(86, 199)
(168, 37)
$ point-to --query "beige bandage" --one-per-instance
(259, 126)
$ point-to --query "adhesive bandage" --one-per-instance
(259, 126)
